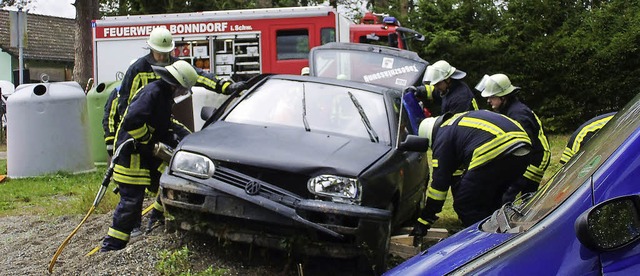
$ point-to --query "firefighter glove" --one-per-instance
(420, 228)
(236, 87)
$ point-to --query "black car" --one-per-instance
(309, 164)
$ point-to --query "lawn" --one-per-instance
(64, 193)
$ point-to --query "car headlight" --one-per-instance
(338, 188)
(193, 164)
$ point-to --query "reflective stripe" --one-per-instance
(534, 173)
(118, 234)
(566, 155)
(113, 112)
(546, 157)
(429, 89)
(474, 104)
(211, 84)
(140, 132)
(224, 87)
(592, 127)
(180, 124)
(458, 172)
(436, 195)
(132, 176)
(493, 148)
(481, 124)
(434, 163)
(139, 81)
(158, 206)
(420, 220)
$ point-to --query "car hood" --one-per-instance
(451, 252)
(285, 148)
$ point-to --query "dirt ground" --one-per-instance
(27, 244)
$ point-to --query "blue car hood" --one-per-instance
(285, 148)
(451, 252)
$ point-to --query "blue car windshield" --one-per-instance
(315, 107)
(580, 168)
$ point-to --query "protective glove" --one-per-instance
(420, 228)
(236, 86)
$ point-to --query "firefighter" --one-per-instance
(492, 149)
(583, 134)
(501, 95)
(443, 83)
(147, 120)
(140, 73)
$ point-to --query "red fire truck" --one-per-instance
(238, 44)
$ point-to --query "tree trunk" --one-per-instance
(86, 10)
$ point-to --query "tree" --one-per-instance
(86, 10)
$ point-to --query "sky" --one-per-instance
(59, 8)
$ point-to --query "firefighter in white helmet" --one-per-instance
(489, 147)
(148, 120)
(140, 73)
(443, 83)
(501, 95)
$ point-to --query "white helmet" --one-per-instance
(180, 71)
(160, 40)
(497, 85)
(426, 128)
(440, 71)
(304, 71)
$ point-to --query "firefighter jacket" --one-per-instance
(137, 76)
(458, 98)
(469, 140)
(148, 120)
(540, 155)
(581, 135)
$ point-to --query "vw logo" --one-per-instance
(252, 188)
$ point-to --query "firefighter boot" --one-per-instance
(156, 219)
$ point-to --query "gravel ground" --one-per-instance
(27, 244)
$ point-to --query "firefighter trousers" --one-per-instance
(479, 192)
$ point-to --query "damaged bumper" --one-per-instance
(241, 208)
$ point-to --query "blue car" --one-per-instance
(584, 221)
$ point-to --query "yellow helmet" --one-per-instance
(160, 40)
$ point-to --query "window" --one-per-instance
(292, 44)
(327, 35)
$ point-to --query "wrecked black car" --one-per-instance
(314, 165)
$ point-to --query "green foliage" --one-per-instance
(177, 263)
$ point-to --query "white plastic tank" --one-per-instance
(204, 97)
(47, 130)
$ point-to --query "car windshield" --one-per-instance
(580, 168)
(315, 107)
(369, 67)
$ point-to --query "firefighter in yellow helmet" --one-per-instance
(492, 150)
(148, 120)
(140, 73)
(501, 95)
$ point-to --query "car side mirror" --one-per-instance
(206, 112)
(610, 225)
(414, 143)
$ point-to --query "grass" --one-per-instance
(64, 193)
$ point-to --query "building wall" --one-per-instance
(5, 67)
